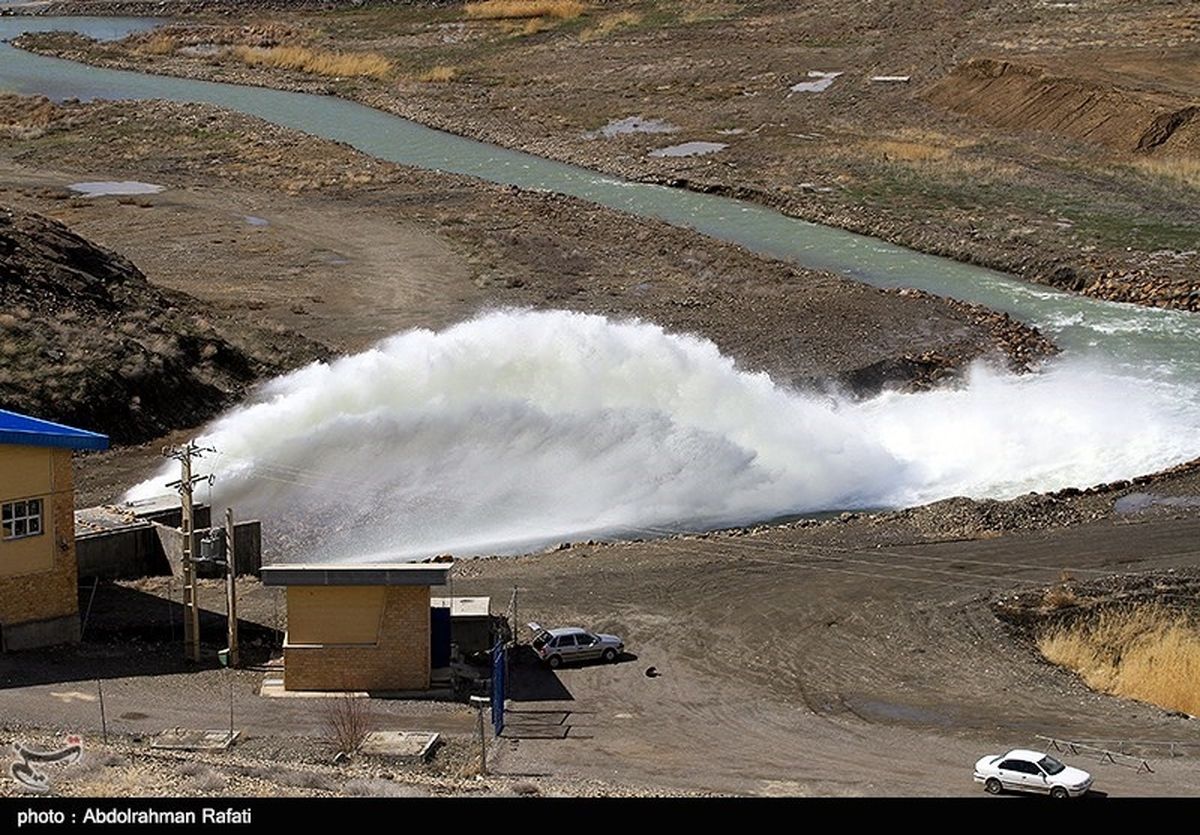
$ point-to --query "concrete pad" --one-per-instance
(400, 745)
(184, 739)
(272, 688)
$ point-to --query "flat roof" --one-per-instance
(24, 430)
(463, 607)
(352, 574)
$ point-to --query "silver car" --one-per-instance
(560, 646)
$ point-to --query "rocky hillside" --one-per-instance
(87, 340)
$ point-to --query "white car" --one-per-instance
(1031, 771)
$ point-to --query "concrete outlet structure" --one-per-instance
(357, 627)
(39, 599)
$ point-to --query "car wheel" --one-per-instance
(609, 656)
(555, 662)
(992, 786)
(1059, 792)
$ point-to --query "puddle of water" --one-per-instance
(256, 221)
(875, 710)
(632, 124)
(689, 149)
(819, 83)
(1141, 502)
(102, 188)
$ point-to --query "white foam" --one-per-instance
(520, 429)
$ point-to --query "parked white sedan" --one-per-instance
(1030, 771)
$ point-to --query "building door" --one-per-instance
(439, 638)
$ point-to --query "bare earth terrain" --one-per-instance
(1057, 141)
(869, 654)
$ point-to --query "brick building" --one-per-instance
(39, 599)
(357, 627)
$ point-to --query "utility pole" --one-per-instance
(191, 608)
(231, 593)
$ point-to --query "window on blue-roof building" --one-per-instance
(21, 519)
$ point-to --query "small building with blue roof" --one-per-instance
(39, 597)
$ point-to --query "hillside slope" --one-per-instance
(87, 340)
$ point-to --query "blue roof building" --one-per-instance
(39, 594)
(30, 431)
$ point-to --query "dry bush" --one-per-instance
(158, 45)
(1184, 170)
(509, 9)
(439, 74)
(531, 26)
(315, 61)
(378, 787)
(348, 720)
(609, 24)
(204, 781)
(1150, 653)
(1060, 596)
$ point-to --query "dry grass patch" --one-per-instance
(510, 9)
(1184, 170)
(158, 45)
(439, 74)
(609, 24)
(315, 61)
(1150, 653)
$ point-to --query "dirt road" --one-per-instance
(801, 661)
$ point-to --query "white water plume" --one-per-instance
(520, 429)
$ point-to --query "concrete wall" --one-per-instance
(38, 576)
(121, 554)
(398, 660)
(151, 549)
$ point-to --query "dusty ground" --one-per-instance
(1057, 141)
(792, 660)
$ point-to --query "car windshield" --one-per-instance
(1051, 765)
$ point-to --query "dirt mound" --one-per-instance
(1013, 95)
(86, 339)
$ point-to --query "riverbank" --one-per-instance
(881, 158)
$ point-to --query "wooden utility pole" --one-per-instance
(191, 607)
(231, 592)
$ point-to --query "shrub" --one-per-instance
(1150, 653)
(348, 720)
(439, 74)
(508, 9)
(315, 61)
